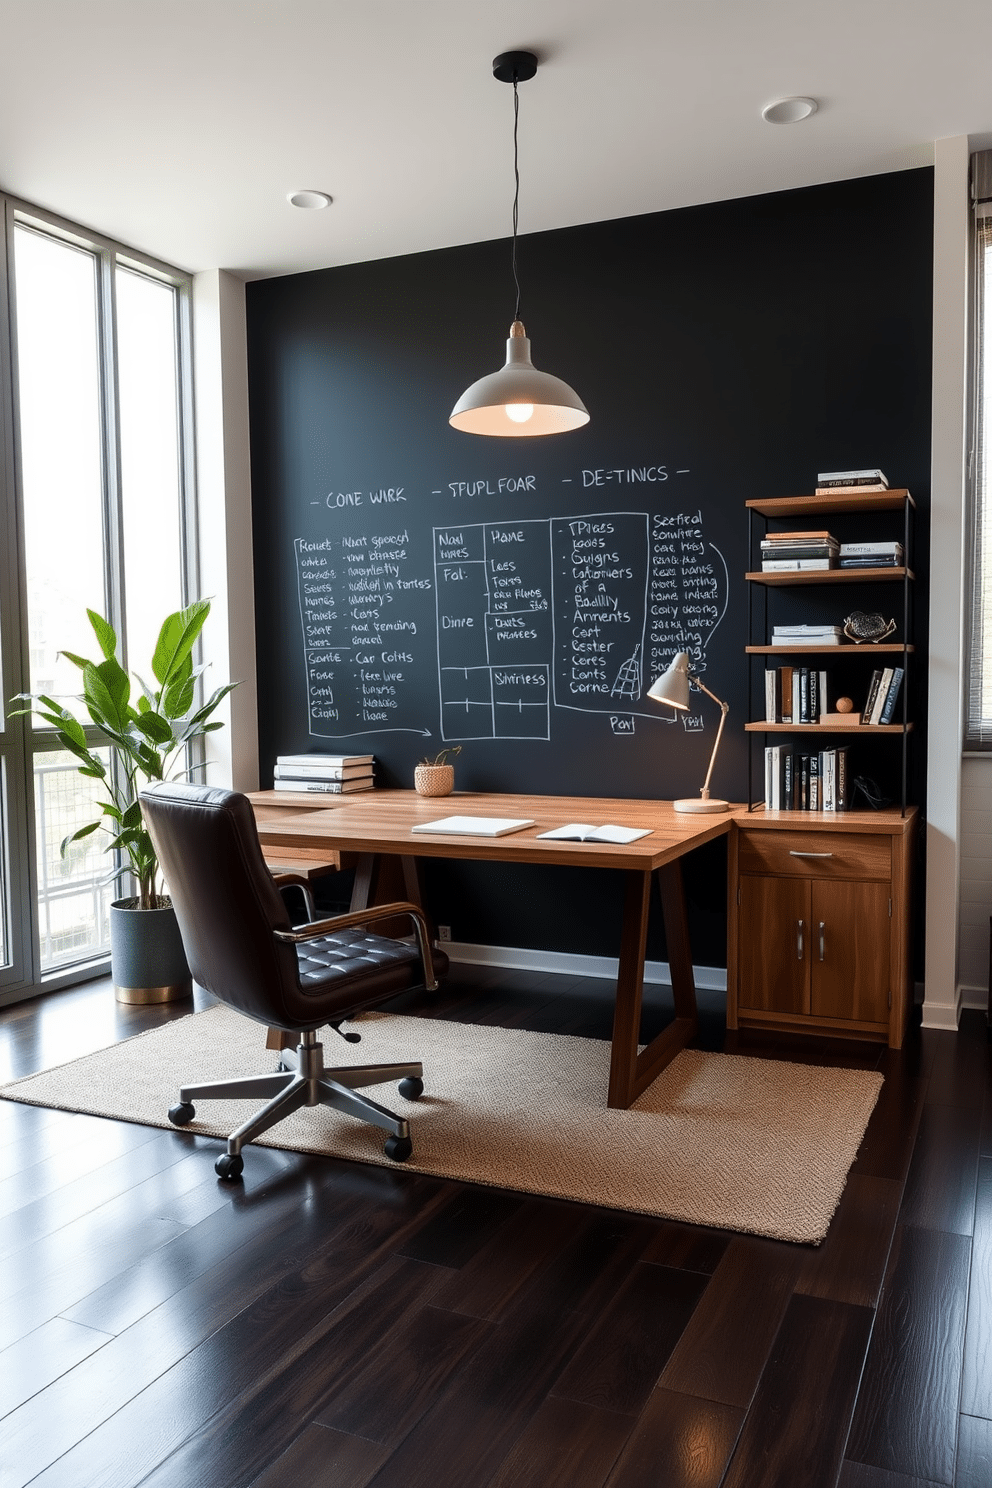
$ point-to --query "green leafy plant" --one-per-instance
(147, 740)
(440, 758)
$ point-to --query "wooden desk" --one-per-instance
(379, 822)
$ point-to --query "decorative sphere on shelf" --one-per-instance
(845, 705)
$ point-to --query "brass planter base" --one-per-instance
(145, 995)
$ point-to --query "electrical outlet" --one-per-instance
(444, 932)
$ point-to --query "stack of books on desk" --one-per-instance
(328, 774)
(850, 482)
(807, 635)
(782, 551)
(871, 555)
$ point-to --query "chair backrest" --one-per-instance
(225, 901)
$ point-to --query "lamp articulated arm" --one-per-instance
(724, 710)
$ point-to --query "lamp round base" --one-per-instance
(696, 803)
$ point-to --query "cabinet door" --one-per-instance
(849, 951)
(774, 944)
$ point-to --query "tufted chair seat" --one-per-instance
(241, 946)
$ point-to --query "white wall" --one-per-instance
(220, 374)
(942, 998)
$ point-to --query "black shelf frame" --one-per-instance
(803, 507)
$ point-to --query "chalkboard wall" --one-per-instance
(417, 587)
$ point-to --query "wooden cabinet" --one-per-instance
(819, 923)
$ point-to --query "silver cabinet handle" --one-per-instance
(821, 939)
(799, 939)
(794, 854)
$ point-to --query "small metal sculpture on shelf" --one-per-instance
(859, 626)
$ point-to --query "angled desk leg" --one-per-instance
(630, 1071)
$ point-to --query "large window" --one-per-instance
(96, 502)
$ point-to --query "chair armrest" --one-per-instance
(296, 881)
(318, 928)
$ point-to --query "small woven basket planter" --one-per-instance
(434, 780)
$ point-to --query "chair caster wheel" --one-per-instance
(230, 1166)
(398, 1148)
(182, 1114)
(411, 1088)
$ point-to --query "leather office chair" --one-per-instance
(242, 948)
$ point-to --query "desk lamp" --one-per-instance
(673, 688)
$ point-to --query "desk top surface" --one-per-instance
(381, 821)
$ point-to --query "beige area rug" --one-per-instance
(745, 1144)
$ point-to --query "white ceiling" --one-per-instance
(179, 128)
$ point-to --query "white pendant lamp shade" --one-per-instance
(518, 399)
(673, 686)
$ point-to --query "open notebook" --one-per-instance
(583, 832)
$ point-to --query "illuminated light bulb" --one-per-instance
(520, 412)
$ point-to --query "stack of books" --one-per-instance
(325, 774)
(795, 694)
(807, 635)
(850, 482)
(871, 555)
(798, 550)
(883, 690)
(806, 782)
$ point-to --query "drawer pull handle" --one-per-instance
(821, 939)
(794, 854)
(799, 940)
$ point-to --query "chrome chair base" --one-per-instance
(309, 1084)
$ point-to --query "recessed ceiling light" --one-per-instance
(788, 110)
(310, 201)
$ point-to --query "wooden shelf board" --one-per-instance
(830, 576)
(826, 728)
(815, 506)
(873, 648)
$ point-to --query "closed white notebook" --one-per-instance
(583, 832)
(475, 826)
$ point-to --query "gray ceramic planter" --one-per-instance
(147, 959)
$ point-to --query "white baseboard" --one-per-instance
(943, 1015)
(707, 978)
(974, 997)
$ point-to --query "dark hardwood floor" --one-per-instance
(323, 1323)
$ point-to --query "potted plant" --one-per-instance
(147, 740)
(433, 777)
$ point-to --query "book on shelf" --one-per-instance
(873, 686)
(874, 476)
(325, 787)
(325, 761)
(805, 536)
(889, 705)
(793, 565)
(866, 489)
(795, 694)
(787, 550)
(882, 560)
(320, 772)
(583, 832)
(874, 713)
(797, 632)
(817, 781)
(870, 549)
(781, 542)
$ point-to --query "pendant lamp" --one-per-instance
(518, 400)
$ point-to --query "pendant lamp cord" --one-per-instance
(516, 196)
